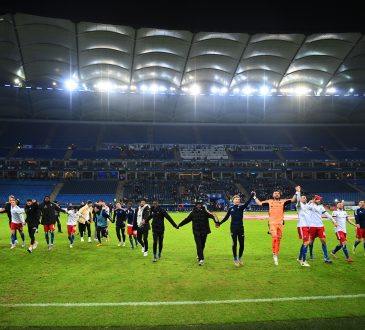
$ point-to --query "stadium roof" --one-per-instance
(49, 52)
(153, 75)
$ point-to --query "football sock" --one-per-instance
(345, 251)
(324, 249)
(304, 253)
(311, 249)
(337, 248)
(301, 252)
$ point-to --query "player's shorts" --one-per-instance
(303, 233)
(239, 231)
(341, 236)
(48, 228)
(71, 229)
(16, 226)
(130, 230)
(360, 233)
(276, 230)
(316, 232)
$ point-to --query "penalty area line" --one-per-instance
(172, 303)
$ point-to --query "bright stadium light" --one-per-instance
(214, 90)
(224, 90)
(236, 90)
(247, 90)
(153, 88)
(351, 90)
(301, 91)
(104, 86)
(264, 90)
(195, 89)
(71, 85)
(331, 90)
(144, 88)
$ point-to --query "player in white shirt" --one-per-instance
(73, 217)
(316, 227)
(341, 217)
(17, 222)
(303, 226)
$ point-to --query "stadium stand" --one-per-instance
(331, 190)
(96, 154)
(207, 152)
(304, 155)
(349, 154)
(40, 153)
(254, 155)
(76, 191)
(24, 189)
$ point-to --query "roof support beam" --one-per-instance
(343, 60)
(239, 62)
(30, 101)
(291, 61)
(19, 47)
(183, 73)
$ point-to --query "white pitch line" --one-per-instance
(198, 302)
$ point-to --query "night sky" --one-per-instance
(230, 16)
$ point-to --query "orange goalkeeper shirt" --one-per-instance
(276, 210)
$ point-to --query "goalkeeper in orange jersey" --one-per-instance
(276, 219)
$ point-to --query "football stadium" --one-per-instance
(160, 177)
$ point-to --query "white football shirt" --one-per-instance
(315, 214)
(340, 216)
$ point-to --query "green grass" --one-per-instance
(115, 274)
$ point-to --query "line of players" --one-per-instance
(310, 224)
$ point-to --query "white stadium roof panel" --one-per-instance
(10, 59)
(41, 52)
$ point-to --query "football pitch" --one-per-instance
(116, 287)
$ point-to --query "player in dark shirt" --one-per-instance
(237, 227)
(360, 224)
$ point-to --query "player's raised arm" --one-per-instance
(244, 206)
(298, 195)
(295, 196)
(257, 201)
